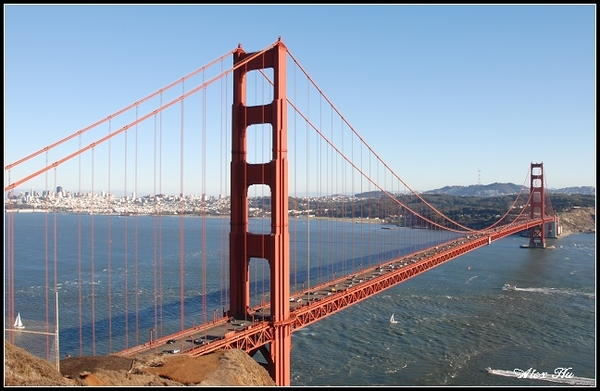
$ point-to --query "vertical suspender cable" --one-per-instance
(204, 208)
(135, 238)
(55, 253)
(295, 192)
(352, 204)
(55, 245)
(339, 231)
(155, 232)
(125, 248)
(80, 262)
(262, 159)
(181, 214)
(92, 264)
(154, 239)
(46, 244)
(10, 243)
(109, 244)
(318, 202)
(159, 330)
(307, 196)
(342, 205)
(362, 264)
(56, 331)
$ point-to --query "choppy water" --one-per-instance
(453, 322)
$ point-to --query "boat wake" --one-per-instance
(574, 381)
(509, 287)
(556, 291)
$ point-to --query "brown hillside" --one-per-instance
(222, 368)
(23, 369)
(578, 220)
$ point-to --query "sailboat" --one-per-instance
(393, 320)
(18, 323)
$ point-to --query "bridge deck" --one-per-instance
(317, 302)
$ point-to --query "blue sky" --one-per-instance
(445, 95)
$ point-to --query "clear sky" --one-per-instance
(445, 95)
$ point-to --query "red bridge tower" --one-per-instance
(274, 246)
(537, 207)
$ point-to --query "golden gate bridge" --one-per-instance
(258, 150)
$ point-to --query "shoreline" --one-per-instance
(564, 233)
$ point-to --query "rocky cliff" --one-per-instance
(578, 220)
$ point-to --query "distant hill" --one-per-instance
(499, 189)
(587, 190)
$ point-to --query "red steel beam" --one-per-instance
(260, 334)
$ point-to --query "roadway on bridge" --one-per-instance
(208, 337)
(202, 336)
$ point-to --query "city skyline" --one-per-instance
(119, 194)
(469, 94)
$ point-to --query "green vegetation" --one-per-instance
(564, 202)
(473, 212)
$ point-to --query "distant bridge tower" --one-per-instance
(537, 236)
(274, 246)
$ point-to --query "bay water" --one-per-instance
(455, 325)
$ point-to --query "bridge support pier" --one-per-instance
(274, 246)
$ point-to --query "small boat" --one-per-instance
(509, 287)
(18, 323)
(393, 320)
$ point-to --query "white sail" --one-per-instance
(393, 320)
(18, 322)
